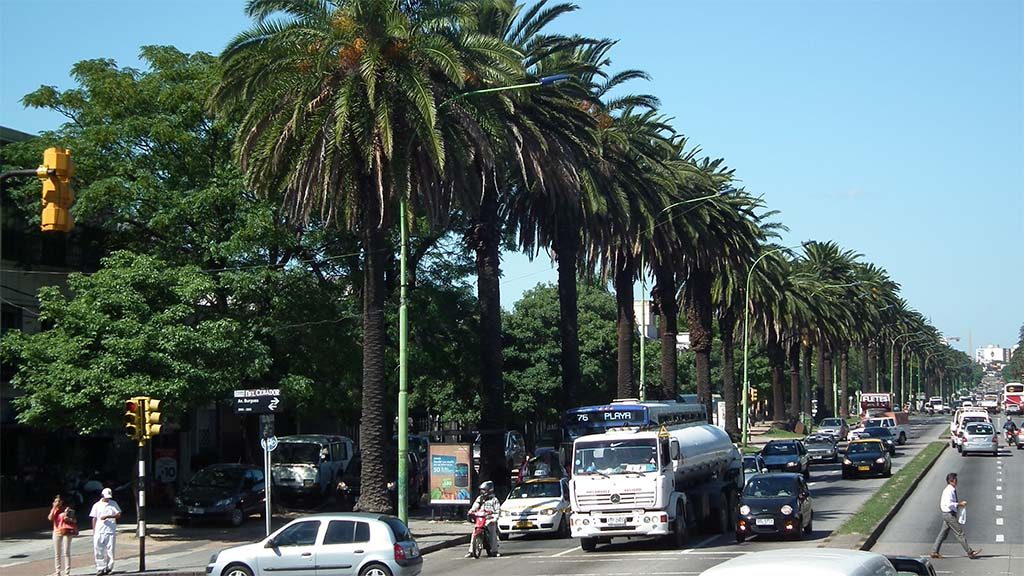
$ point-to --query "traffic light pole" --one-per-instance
(142, 506)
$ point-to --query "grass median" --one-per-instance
(874, 510)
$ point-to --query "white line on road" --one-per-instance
(999, 521)
(999, 538)
(999, 507)
(999, 488)
(999, 496)
(699, 544)
(564, 552)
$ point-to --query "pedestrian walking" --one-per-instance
(65, 527)
(104, 514)
(952, 510)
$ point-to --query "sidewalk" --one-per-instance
(175, 550)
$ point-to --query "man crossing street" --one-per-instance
(950, 507)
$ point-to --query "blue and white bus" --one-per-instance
(632, 413)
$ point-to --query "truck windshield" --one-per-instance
(297, 453)
(616, 456)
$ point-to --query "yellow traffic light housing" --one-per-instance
(57, 195)
(153, 417)
(753, 394)
(133, 419)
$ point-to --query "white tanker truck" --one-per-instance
(653, 483)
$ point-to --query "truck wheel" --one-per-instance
(588, 544)
(679, 529)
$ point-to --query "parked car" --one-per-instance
(309, 466)
(822, 448)
(362, 543)
(868, 456)
(753, 464)
(775, 504)
(835, 427)
(537, 506)
(880, 433)
(515, 451)
(230, 492)
(979, 437)
(786, 456)
(821, 562)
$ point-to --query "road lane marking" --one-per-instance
(999, 488)
(999, 521)
(999, 507)
(699, 544)
(999, 496)
(563, 553)
(999, 538)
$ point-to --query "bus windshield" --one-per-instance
(609, 457)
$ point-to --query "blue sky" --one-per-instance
(895, 128)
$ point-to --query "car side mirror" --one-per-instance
(270, 544)
(673, 450)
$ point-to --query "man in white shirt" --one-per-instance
(949, 507)
(104, 516)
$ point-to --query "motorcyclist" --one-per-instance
(488, 504)
(1010, 428)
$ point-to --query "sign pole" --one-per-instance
(267, 483)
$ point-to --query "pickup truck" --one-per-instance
(898, 429)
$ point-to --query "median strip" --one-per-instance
(862, 529)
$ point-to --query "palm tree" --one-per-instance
(340, 114)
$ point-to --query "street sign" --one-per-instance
(269, 444)
(258, 401)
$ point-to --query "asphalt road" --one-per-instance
(994, 491)
(834, 499)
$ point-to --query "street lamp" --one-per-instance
(643, 280)
(746, 337)
(403, 316)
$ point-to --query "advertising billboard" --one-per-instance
(451, 466)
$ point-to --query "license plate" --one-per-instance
(524, 524)
(194, 510)
(617, 521)
(764, 521)
(863, 468)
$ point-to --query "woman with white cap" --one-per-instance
(104, 516)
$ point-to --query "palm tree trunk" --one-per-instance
(486, 240)
(808, 385)
(373, 495)
(698, 314)
(819, 383)
(567, 247)
(794, 379)
(844, 383)
(865, 366)
(625, 326)
(897, 375)
(727, 328)
(829, 381)
(777, 358)
(668, 308)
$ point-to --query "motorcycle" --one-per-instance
(481, 539)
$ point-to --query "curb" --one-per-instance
(459, 541)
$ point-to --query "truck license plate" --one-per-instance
(616, 520)
(764, 521)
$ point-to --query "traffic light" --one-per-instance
(152, 417)
(753, 394)
(133, 419)
(56, 173)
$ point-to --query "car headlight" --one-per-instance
(744, 509)
(880, 461)
(788, 464)
(223, 503)
(548, 512)
(786, 510)
(213, 559)
(847, 461)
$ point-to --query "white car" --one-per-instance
(342, 543)
(538, 505)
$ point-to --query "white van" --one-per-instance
(820, 562)
(972, 414)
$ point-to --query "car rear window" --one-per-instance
(979, 429)
(398, 528)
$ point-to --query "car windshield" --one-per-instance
(297, 453)
(537, 490)
(779, 449)
(218, 476)
(969, 419)
(832, 422)
(616, 456)
(877, 432)
(979, 429)
(864, 448)
(770, 486)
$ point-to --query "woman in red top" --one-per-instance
(63, 518)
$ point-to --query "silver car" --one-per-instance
(979, 437)
(343, 543)
(836, 427)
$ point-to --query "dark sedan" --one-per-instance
(822, 448)
(222, 491)
(775, 504)
(868, 456)
(879, 433)
(786, 456)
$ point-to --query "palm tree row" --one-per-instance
(353, 108)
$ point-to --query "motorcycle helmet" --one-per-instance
(487, 488)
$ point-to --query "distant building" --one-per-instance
(647, 324)
(992, 353)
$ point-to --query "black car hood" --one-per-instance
(864, 457)
(205, 495)
(757, 505)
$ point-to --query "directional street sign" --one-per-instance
(258, 401)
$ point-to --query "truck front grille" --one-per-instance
(624, 500)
